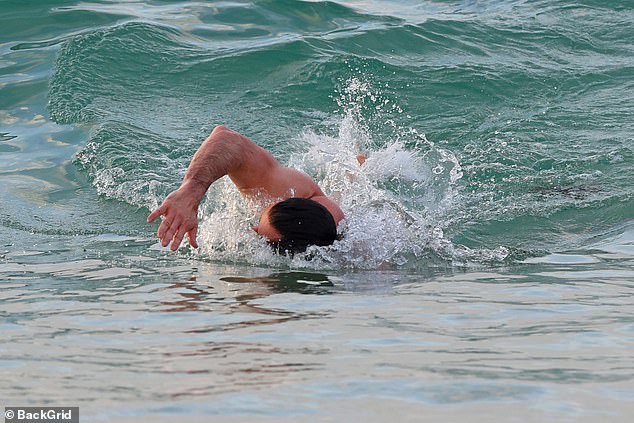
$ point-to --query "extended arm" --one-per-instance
(224, 152)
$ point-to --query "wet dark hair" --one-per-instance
(301, 222)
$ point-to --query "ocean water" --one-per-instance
(485, 272)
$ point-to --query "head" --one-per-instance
(294, 224)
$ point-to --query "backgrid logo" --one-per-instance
(41, 414)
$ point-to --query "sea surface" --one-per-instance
(486, 267)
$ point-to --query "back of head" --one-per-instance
(302, 222)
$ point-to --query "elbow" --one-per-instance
(221, 133)
(221, 129)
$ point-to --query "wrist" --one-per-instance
(193, 190)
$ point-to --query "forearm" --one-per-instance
(220, 154)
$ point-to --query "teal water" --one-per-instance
(486, 268)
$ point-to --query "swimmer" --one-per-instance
(304, 215)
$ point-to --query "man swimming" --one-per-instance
(304, 216)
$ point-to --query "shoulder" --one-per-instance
(285, 182)
(331, 206)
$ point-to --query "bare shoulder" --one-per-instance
(254, 164)
(331, 206)
(286, 182)
(260, 173)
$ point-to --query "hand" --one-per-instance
(180, 217)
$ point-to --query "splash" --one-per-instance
(396, 203)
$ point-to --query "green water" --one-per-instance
(485, 270)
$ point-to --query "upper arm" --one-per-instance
(266, 175)
(259, 171)
(256, 166)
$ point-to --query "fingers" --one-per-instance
(156, 213)
(192, 237)
(175, 233)
(178, 238)
(174, 225)
(171, 230)
(166, 225)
